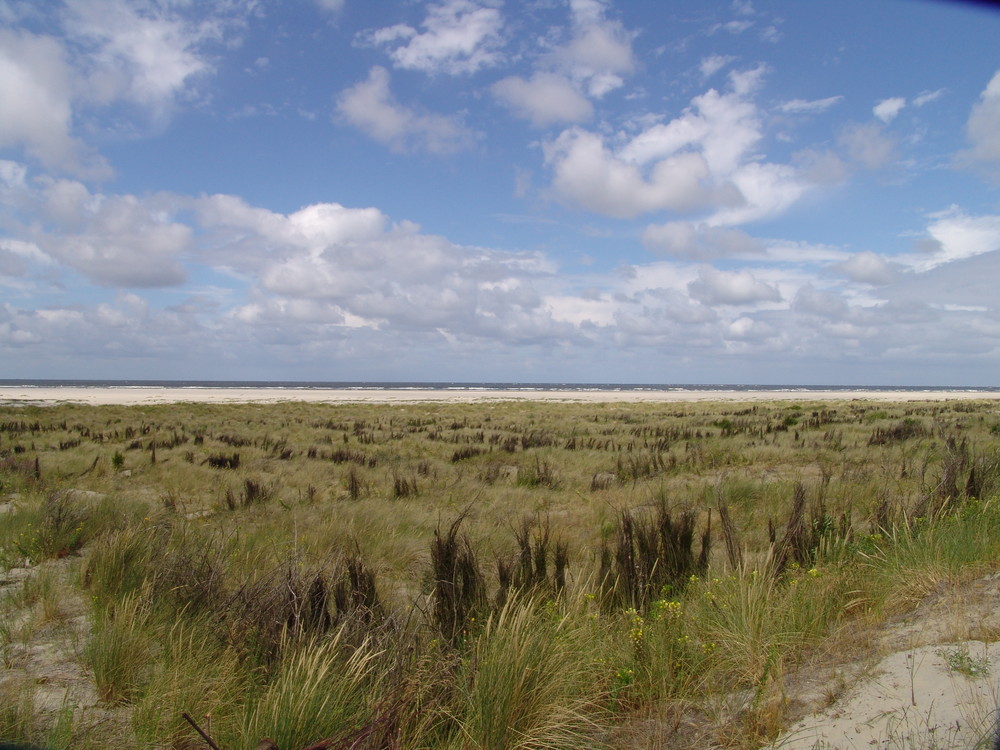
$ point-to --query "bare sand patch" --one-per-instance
(931, 681)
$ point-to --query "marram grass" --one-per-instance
(226, 589)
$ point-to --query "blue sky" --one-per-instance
(466, 190)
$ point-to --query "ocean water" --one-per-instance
(459, 386)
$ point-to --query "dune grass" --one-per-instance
(501, 575)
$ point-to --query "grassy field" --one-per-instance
(502, 575)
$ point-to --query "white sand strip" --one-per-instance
(132, 396)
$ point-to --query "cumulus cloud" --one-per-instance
(702, 160)
(599, 45)
(953, 235)
(700, 241)
(111, 52)
(333, 281)
(36, 97)
(458, 37)
(371, 107)
(119, 241)
(145, 56)
(18, 256)
(715, 287)
(599, 51)
(545, 99)
(983, 131)
(590, 63)
(867, 268)
(356, 266)
(587, 173)
(967, 285)
(887, 109)
(811, 300)
(766, 189)
(723, 127)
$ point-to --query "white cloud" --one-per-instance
(953, 235)
(811, 300)
(371, 107)
(966, 284)
(712, 64)
(747, 81)
(748, 330)
(723, 127)
(458, 37)
(867, 268)
(771, 35)
(926, 97)
(867, 145)
(599, 48)
(661, 140)
(146, 57)
(545, 99)
(704, 159)
(110, 52)
(585, 172)
(715, 287)
(809, 106)
(887, 109)
(983, 130)
(599, 52)
(36, 96)
(766, 190)
(113, 240)
(123, 243)
(591, 63)
(687, 240)
(354, 265)
(17, 257)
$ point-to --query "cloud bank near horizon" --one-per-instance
(641, 229)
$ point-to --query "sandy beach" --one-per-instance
(132, 396)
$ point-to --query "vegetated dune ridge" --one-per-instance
(157, 395)
(924, 679)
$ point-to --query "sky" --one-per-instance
(585, 191)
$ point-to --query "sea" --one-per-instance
(475, 386)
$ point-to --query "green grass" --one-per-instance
(525, 685)
(292, 593)
(321, 689)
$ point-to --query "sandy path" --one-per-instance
(138, 396)
(932, 686)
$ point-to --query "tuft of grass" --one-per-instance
(525, 685)
(192, 675)
(121, 649)
(18, 717)
(321, 689)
